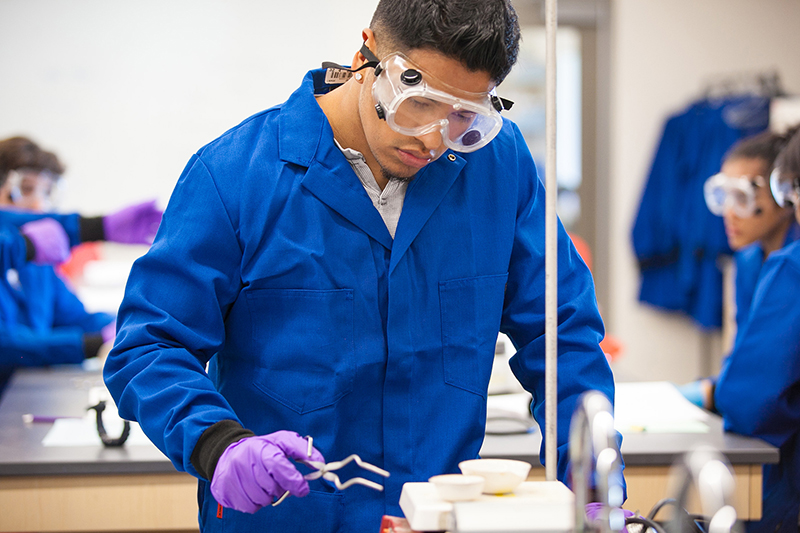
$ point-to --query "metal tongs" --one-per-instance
(325, 471)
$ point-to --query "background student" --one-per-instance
(758, 390)
(41, 321)
(755, 225)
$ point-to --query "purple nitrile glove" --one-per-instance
(109, 332)
(593, 510)
(49, 239)
(254, 471)
(135, 224)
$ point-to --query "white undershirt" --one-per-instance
(389, 201)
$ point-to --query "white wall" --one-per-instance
(125, 92)
(663, 52)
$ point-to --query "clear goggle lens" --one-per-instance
(415, 103)
(34, 189)
(784, 190)
(738, 194)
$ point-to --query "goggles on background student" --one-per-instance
(785, 191)
(739, 194)
(414, 103)
(34, 189)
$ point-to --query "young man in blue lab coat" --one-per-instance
(343, 263)
(757, 390)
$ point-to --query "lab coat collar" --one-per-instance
(306, 139)
(424, 194)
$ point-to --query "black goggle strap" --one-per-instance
(501, 104)
(336, 74)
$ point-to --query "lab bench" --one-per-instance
(136, 488)
(648, 457)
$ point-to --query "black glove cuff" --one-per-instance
(30, 249)
(213, 442)
(91, 344)
(91, 229)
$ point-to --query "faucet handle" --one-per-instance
(706, 469)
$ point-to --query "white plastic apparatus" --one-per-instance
(533, 507)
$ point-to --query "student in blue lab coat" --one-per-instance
(41, 321)
(755, 225)
(757, 390)
(343, 263)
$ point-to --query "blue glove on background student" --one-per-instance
(698, 392)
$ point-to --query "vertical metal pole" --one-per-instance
(551, 246)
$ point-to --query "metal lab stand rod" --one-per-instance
(551, 245)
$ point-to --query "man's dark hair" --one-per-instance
(481, 34)
(21, 152)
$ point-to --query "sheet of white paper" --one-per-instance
(83, 431)
(656, 407)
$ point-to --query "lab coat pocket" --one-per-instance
(306, 345)
(471, 309)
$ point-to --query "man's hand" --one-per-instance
(254, 471)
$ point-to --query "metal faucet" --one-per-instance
(593, 439)
(709, 471)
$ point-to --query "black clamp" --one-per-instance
(101, 429)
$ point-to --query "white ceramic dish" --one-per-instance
(500, 475)
(458, 487)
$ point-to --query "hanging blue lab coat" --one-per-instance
(676, 239)
(749, 261)
(41, 321)
(272, 264)
(758, 389)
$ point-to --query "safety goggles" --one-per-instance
(738, 194)
(34, 189)
(415, 103)
(785, 191)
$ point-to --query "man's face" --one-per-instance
(401, 156)
(768, 216)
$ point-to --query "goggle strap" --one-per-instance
(366, 52)
(337, 74)
(500, 103)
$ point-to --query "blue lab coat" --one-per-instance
(757, 390)
(11, 217)
(676, 239)
(12, 245)
(749, 261)
(13, 253)
(41, 321)
(272, 263)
